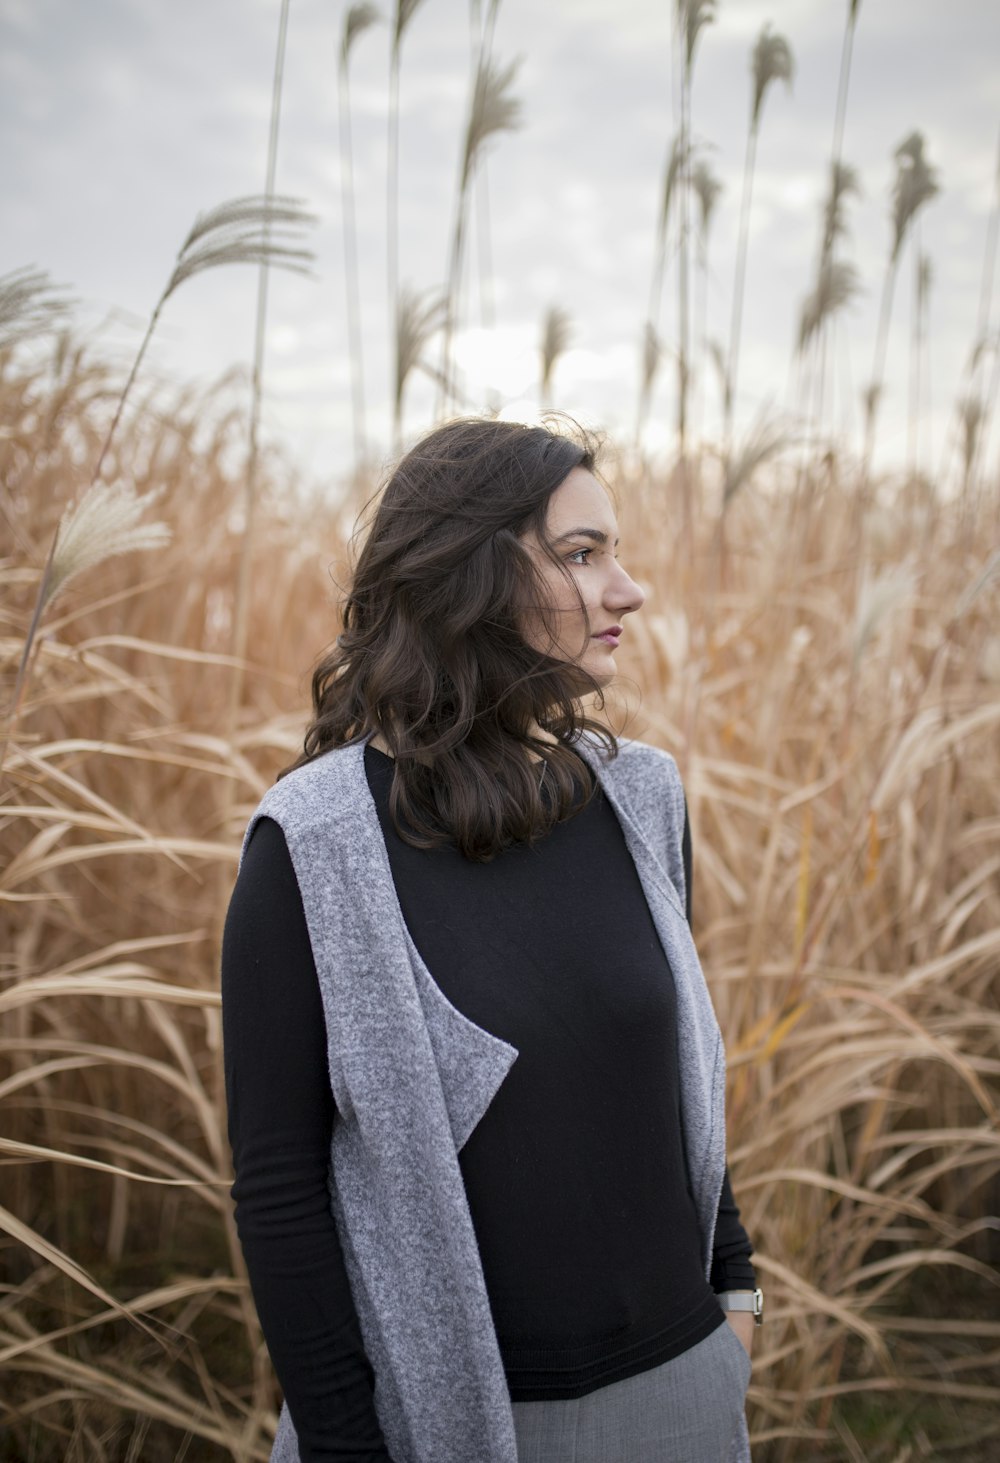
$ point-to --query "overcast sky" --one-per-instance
(121, 119)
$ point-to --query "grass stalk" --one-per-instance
(241, 611)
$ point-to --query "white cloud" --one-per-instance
(130, 117)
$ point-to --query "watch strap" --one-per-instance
(743, 1300)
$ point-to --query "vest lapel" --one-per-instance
(640, 777)
(411, 1077)
(335, 840)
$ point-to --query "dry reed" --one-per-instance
(557, 332)
(839, 742)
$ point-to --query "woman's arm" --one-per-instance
(281, 1115)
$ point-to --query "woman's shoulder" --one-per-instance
(646, 777)
(633, 761)
(655, 760)
(329, 787)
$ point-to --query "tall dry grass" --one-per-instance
(839, 741)
(113, 788)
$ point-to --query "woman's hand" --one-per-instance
(744, 1325)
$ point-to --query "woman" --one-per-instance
(475, 1081)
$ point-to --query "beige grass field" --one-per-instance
(838, 729)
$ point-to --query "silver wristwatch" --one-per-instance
(743, 1300)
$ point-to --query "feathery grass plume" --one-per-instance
(248, 230)
(843, 180)
(405, 10)
(923, 274)
(692, 17)
(834, 285)
(878, 596)
(651, 355)
(29, 305)
(717, 356)
(984, 307)
(557, 331)
(915, 185)
(706, 188)
(672, 171)
(356, 22)
(420, 316)
(673, 168)
(493, 109)
(925, 278)
(971, 412)
(984, 340)
(358, 19)
(481, 37)
(981, 348)
(104, 522)
(843, 80)
(252, 230)
(652, 351)
(766, 438)
(837, 286)
(771, 60)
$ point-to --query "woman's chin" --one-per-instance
(602, 669)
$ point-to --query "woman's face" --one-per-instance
(583, 531)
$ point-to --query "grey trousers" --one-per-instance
(687, 1410)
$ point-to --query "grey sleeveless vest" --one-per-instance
(412, 1076)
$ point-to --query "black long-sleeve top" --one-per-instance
(575, 1175)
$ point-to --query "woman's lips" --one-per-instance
(610, 637)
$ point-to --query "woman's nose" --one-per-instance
(624, 595)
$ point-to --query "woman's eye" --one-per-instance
(580, 556)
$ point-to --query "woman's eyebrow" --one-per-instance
(591, 533)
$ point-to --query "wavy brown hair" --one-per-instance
(432, 654)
